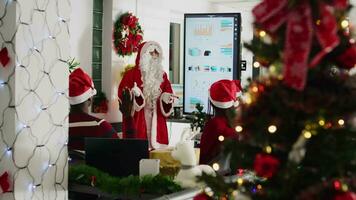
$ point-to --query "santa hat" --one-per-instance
(223, 94)
(81, 87)
(4, 183)
(146, 47)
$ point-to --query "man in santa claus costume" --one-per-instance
(152, 97)
(223, 97)
(81, 124)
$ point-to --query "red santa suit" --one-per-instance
(223, 95)
(153, 97)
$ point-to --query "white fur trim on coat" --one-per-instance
(149, 46)
(154, 143)
(83, 97)
(135, 104)
(166, 114)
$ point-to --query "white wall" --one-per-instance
(155, 17)
(352, 16)
(81, 32)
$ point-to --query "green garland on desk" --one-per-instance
(131, 185)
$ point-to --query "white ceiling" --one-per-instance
(232, 3)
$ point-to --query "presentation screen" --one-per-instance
(211, 53)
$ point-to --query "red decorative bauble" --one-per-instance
(4, 183)
(348, 58)
(201, 196)
(345, 196)
(265, 165)
(4, 57)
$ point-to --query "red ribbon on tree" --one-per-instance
(271, 14)
(345, 196)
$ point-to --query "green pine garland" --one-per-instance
(130, 186)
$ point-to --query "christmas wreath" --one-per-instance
(127, 34)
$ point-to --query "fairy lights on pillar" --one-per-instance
(32, 176)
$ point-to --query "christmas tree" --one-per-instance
(297, 130)
(198, 118)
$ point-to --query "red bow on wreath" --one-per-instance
(271, 14)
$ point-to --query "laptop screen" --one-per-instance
(118, 157)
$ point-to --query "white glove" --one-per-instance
(136, 90)
(189, 134)
(167, 98)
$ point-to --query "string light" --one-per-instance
(256, 64)
(240, 181)
(33, 181)
(268, 149)
(352, 41)
(238, 129)
(307, 134)
(248, 99)
(337, 185)
(210, 193)
(259, 187)
(344, 188)
(216, 166)
(321, 122)
(254, 190)
(262, 33)
(272, 68)
(254, 89)
(341, 122)
(344, 23)
(8, 151)
(221, 138)
(235, 193)
(272, 129)
(61, 19)
(317, 22)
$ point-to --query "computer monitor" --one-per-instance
(118, 157)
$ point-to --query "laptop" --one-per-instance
(118, 157)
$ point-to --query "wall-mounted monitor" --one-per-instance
(211, 53)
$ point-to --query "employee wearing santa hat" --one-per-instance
(223, 97)
(81, 124)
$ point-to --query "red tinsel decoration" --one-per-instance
(345, 196)
(272, 14)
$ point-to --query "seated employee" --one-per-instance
(222, 96)
(81, 124)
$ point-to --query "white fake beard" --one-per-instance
(152, 77)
